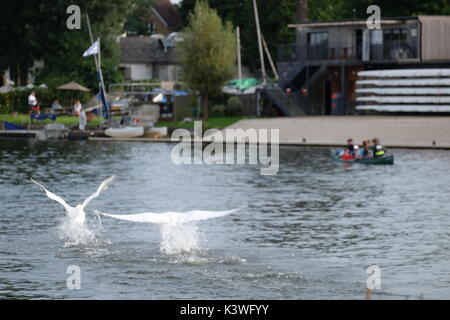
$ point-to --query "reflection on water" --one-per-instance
(308, 232)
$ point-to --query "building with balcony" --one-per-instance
(326, 69)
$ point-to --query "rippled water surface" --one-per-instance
(309, 232)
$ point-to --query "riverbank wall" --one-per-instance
(417, 132)
(394, 131)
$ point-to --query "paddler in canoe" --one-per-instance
(349, 152)
(377, 149)
(373, 154)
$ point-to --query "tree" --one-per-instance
(274, 19)
(39, 32)
(208, 52)
(136, 23)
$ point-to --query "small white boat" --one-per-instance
(125, 132)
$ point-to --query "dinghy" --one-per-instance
(125, 132)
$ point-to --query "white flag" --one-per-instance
(93, 49)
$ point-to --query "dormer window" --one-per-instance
(151, 28)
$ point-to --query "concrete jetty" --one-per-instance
(394, 131)
(428, 132)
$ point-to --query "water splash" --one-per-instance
(181, 239)
(75, 234)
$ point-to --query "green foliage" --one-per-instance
(218, 110)
(208, 52)
(214, 122)
(23, 119)
(17, 100)
(274, 19)
(38, 31)
(234, 106)
(136, 23)
(399, 8)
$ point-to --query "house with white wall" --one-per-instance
(148, 58)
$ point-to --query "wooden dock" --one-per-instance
(18, 133)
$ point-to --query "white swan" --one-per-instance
(170, 217)
(76, 214)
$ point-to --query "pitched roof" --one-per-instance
(167, 12)
(145, 50)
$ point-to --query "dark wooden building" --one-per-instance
(320, 70)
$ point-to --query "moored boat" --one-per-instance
(125, 132)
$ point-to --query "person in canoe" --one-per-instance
(357, 152)
(350, 145)
(348, 152)
(377, 149)
(366, 151)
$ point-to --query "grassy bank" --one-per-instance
(23, 119)
(218, 123)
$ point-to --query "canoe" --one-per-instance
(12, 126)
(378, 160)
(125, 132)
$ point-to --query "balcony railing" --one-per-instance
(288, 53)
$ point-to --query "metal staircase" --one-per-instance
(288, 106)
(289, 72)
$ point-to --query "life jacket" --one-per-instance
(378, 151)
(347, 157)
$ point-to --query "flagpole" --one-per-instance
(258, 32)
(99, 55)
(238, 36)
(92, 39)
(97, 60)
(102, 83)
(269, 56)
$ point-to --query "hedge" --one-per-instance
(17, 100)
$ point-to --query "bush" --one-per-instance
(234, 107)
(218, 110)
(17, 100)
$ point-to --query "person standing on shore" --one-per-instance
(82, 120)
(77, 107)
(32, 103)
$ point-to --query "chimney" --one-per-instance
(302, 11)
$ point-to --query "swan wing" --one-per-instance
(169, 217)
(52, 195)
(103, 186)
(148, 217)
(198, 215)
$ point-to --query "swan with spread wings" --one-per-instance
(76, 214)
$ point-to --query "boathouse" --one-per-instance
(335, 67)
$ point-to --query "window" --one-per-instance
(318, 45)
(151, 28)
(394, 40)
(318, 38)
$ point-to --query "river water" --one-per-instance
(309, 232)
